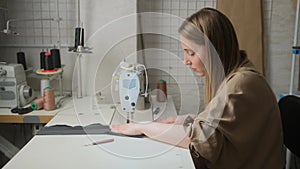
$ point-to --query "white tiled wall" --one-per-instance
(280, 45)
(39, 32)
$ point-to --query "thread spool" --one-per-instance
(21, 59)
(49, 100)
(44, 83)
(42, 60)
(38, 104)
(79, 41)
(48, 62)
(56, 58)
(161, 94)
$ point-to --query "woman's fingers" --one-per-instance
(113, 128)
(126, 129)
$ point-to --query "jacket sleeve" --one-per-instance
(205, 137)
(207, 132)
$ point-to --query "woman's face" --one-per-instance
(192, 58)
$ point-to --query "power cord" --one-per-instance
(22, 110)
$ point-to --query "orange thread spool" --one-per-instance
(37, 104)
(161, 95)
(49, 100)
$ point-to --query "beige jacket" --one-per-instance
(248, 134)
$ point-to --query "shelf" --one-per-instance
(56, 71)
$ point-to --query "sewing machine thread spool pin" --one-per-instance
(21, 59)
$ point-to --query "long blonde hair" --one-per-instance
(221, 34)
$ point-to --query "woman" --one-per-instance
(240, 126)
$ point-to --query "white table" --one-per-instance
(69, 151)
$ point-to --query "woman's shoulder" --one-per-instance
(246, 72)
(246, 77)
(245, 69)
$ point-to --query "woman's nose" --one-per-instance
(186, 61)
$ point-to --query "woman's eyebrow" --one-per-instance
(189, 50)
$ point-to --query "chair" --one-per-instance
(290, 116)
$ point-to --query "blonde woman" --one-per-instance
(240, 128)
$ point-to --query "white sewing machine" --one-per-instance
(14, 91)
(130, 89)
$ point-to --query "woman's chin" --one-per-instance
(200, 74)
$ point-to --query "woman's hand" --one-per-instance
(130, 129)
(167, 133)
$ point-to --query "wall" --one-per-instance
(94, 15)
(280, 46)
(109, 27)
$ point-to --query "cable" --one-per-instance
(151, 107)
(146, 74)
(112, 117)
(22, 110)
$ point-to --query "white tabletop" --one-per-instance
(69, 151)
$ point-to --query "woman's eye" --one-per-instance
(191, 53)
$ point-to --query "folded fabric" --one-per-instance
(96, 128)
